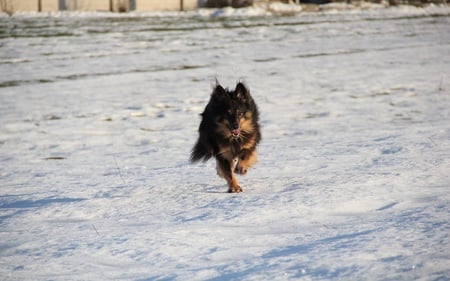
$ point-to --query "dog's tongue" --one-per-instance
(236, 132)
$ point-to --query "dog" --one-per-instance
(229, 131)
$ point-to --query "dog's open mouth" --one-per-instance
(236, 133)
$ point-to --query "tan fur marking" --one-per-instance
(249, 143)
(245, 123)
(233, 185)
(244, 164)
(250, 160)
(226, 153)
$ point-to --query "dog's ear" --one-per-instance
(242, 92)
(219, 93)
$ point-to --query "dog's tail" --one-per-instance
(199, 152)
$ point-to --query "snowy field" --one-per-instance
(99, 112)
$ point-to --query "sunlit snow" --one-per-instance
(99, 112)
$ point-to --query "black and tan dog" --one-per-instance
(229, 131)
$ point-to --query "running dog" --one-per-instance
(229, 131)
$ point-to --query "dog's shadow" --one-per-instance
(217, 189)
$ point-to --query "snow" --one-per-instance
(99, 113)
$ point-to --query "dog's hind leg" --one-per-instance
(233, 167)
(225, 169)
(219, 169)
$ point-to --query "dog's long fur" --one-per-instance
(230, 132)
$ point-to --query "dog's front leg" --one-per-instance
(225, 169)
(247, 158)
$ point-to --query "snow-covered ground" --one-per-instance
(99, 113)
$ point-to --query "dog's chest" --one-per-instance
(235, 148)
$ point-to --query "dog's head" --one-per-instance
(233, 110)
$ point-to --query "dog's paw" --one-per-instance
(240, 170)
(235, 189)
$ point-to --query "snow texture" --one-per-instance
(99, 112)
